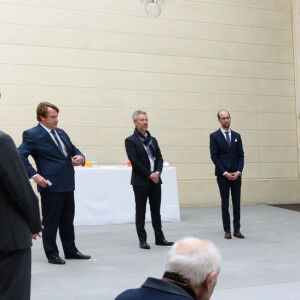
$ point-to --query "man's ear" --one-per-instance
(211, 280)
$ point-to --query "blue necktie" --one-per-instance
(57, 142)
(227, 138)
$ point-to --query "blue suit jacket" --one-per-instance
(50, 162)
(225, 158)
(156, 289)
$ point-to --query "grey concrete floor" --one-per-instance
(263, 266)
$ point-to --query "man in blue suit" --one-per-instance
(226, 150)
(55, 157)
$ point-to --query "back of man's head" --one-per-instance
(194, 259)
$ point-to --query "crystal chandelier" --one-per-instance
(153, 7)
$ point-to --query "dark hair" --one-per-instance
(42, 110)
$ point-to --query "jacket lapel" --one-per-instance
(49, 138)
(223, 139)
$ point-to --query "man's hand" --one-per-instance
(232, 176)
(33, 236)
(77, 160)
(235, 175)
(41, 181)
(154, 177)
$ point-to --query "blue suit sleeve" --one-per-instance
(240, 155)
(27, 148)
(213, 147)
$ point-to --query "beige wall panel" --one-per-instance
(264, 36)
(135, 99)
(131, 7)
(142, 62)
(276, 104)
(17, 115)
(186, 154)
(284, 138)
(276, 121)
(108, 6)
(285, 154)
(106, 155)
(249, 137)
(206, 192)
(206, 12)
(14, 54)
(272, 19)
(278, 170)
(272, 54)
(167, 82)
(281, 5)
(268, 138)
(251, 170)
(270, 191)
(195, 171)
(251, 154)
(107, 41)
(41, 16)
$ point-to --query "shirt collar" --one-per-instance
(46, 128)
(223, 130)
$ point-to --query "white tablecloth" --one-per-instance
(104, 195)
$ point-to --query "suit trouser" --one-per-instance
(15, 274)
(225, 186)
(141, 193)
(58, 211)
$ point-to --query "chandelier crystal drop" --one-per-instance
(153, 7)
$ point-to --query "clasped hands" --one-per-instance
(232, 176)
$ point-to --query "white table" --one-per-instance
(104, 195)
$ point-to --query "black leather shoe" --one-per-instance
(144, 245)
(227, 235)
(164, 242)
(56, 260)
(77, 255)
(238, 234)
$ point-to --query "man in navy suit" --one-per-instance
(226, 150)
(147, 164)
(55, 157)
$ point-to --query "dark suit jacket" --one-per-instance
(141, 169)
(50, 162)
(19, 208)
(225, 158)
(156, 289)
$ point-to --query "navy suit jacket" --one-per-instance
(50, 162)
(141, 169)
(225, 158)
(157, 289)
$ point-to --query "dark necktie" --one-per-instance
(227, 138)
(57, 142)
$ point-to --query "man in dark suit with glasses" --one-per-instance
(226, 150)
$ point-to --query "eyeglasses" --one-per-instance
(225, 118)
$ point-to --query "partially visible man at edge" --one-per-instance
(55, 157)
(191, 272)
(226, 150)
(19, 223)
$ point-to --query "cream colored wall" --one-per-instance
(100, 60)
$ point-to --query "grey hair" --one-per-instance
(136, 113)
(193, 259)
